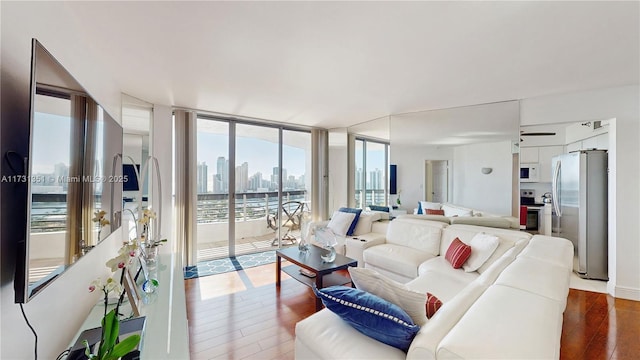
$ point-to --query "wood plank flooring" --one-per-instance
(242, 315)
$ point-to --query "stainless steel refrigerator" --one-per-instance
(579, 190)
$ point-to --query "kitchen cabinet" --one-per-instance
(529, 155)
(541, 155)
(545, 154)
(596, 142)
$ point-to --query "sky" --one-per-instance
(261, 155)
(51, 142)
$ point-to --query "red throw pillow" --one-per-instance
(435, 212)
(433, 304)
(457, 253)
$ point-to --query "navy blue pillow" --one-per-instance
(419, 208)
(370, 315)
(379, 208)
(355, 219)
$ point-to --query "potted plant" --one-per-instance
(109, 348)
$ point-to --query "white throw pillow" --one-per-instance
(340, 222)
(430, 205)
(456, 211)
(412, 302)
(363, 226)
(482, 247)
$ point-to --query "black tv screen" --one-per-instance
(130, 182)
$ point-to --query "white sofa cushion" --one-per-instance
(340, 222)
(421, 235)
(465, 233)
(494, 222)
(482, 247)
(315, 333)
(452, 210)
(443, 286)
(538, 277)
(505, 323)
(439, 278)
(412, 302)
(425, 343)
(355, 246)
(430, 205)
(365, 221)
(398, 259)
(553, 250)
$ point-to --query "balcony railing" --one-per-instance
(248, 206)
(49, 211)
(372, 197)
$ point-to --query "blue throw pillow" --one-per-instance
(419, 208)
(379, 208)
(370, 315)
(355, 219)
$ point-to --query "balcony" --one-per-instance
(252, 231)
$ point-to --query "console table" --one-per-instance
(166, 333)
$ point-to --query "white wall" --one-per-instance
(59, 310)
(472, 188)
(161, 140)
(467, 185)
(338, 172)
(410, 160)
(623, 104)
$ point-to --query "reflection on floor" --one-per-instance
(248, 245)
(576, 282)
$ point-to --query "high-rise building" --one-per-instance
(222, 170)
(60, 174)
(242, 177)
(201, 180)
(255, 181)
(218, 184)
(358, 184)
(375, 179)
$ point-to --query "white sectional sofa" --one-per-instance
(510, 308)
(456, 214)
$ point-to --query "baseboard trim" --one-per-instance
(628, 293)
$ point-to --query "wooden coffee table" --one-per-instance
(311, 261)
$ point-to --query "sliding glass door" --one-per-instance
(256, 187)
(212, 185)
(253, 183)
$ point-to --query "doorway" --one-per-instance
(436, 180)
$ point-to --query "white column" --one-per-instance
(160, 146)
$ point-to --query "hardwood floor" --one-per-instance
(242, 315)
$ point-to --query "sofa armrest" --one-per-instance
(425, 344)
(355, 246)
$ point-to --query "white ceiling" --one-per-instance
(334, 64)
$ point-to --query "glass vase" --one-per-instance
(150, 253)
(328, 253)
(305, 223)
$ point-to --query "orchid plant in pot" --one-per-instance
(150, 245)
(109, 348)
(101, 220)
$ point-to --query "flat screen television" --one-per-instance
(129, 177)
(73, 167)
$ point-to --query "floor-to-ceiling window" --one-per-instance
(212, 185)
(257, 183)
(256, 164)
(371, 172)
